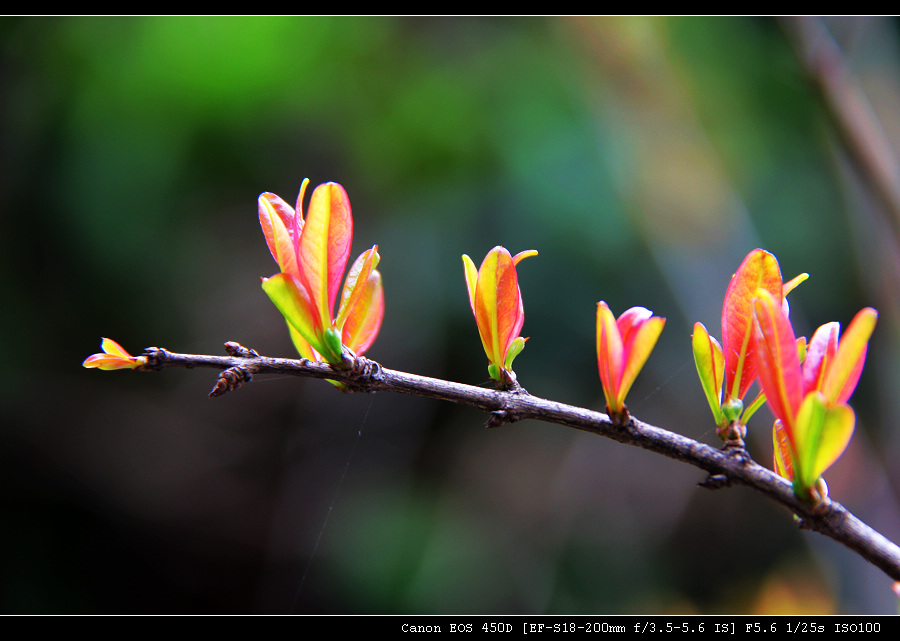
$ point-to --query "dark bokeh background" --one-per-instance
(643, 158)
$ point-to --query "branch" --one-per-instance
(728, 466)
(852, 115)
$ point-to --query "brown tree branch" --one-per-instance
(725, 466)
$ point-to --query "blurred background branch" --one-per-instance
(853, 117)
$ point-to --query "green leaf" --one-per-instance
(710, 368)
(821, 436)
(515, 349)
(291, 298)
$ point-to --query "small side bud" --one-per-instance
(732, 409)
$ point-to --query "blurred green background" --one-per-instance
(643, 158)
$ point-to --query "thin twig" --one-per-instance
(725, 466)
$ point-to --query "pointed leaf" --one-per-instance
(325, 247)
(759, 270)
(364, 315)
(710, 368)
(523, 255)
(486, 307)
(514, 350)
(789, 286)
(779, 370)
(821, 436)
(750, 409)
(520, 315)
(638, 343)
(610, 355)
(293, 301)
(297, 227)
(837, 430)
(113, 357)
(111, 347)
(109, 362)
(498, 306)
(819, 356)
(510, 309)
(845, 369)
(496, 302)
(355, 282)
(277, 219)
(807, 427)
(629, 322)
(471, 279)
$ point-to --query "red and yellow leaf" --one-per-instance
(471, 274)
(364, 316)
(623, 347)
(312, 254)
(779, 371)
(496, 302)
(640, 331)
(819, 356)
(759, 270)
(277, 220)
(113, 357)
(610, 355)
(498, 307)
(325, 247)
(355, 283)
(843, 374)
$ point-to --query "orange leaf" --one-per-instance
(325, 247)
(497, 305)
(759, 270)
(277, 220)
(365, 315)
(114, 356)
(779, 371)
(623, 347)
